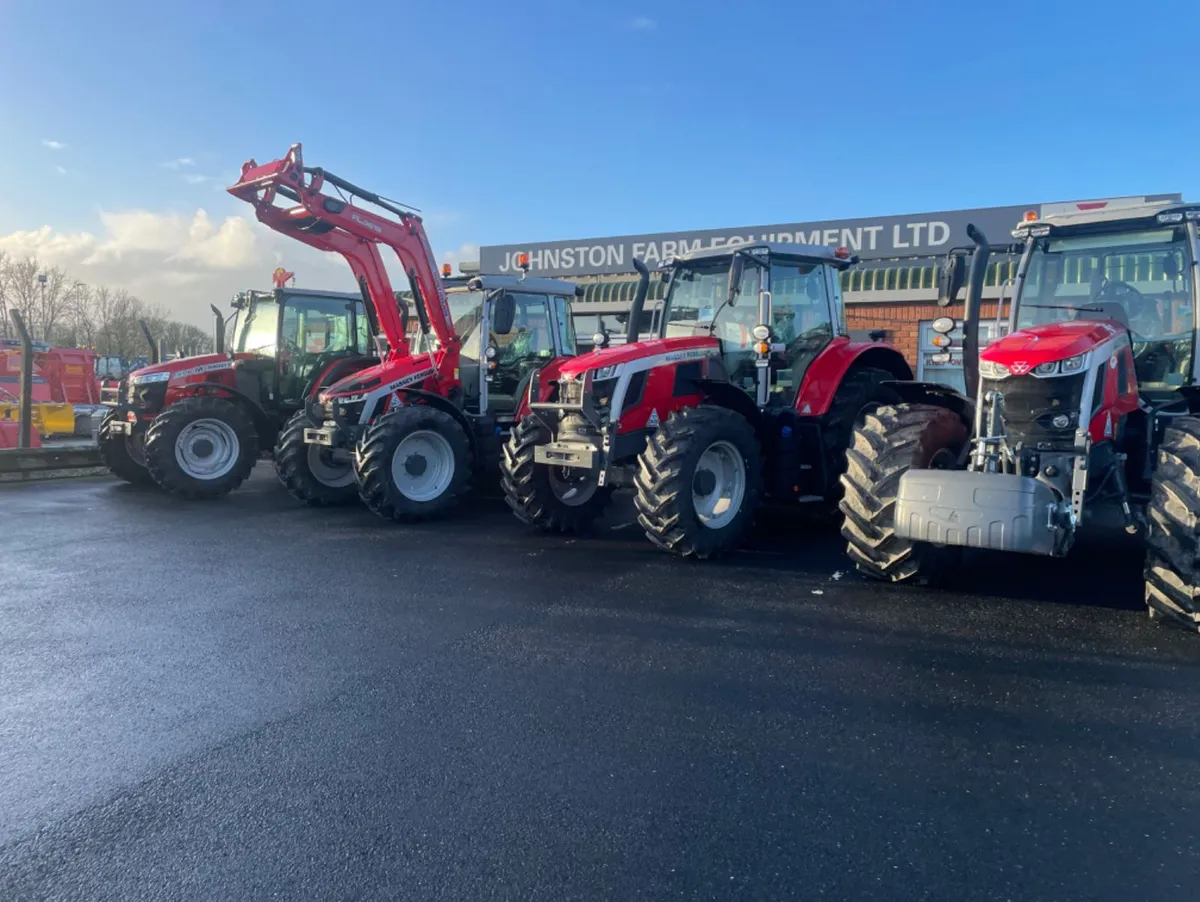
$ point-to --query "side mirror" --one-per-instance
(504, 311)
(951, 276)
(736, 266)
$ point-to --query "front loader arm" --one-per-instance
(333, 224)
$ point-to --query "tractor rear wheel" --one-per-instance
(890, 441)
(123, 454)
(554, 499)
(413, 463)
(201, 447)
(1172, 573)
(699, 481)
(307, 471)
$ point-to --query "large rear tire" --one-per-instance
(1172, 570)
(124, 455)
(890, 441)
(201, 448)
(535, 493)
(307, 472)
(699, 481)
(413, 463)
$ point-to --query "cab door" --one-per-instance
(803, 324)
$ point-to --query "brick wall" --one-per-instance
(900, 321)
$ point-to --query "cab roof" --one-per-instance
(513, 283)
(1109, 218)
(806, 253)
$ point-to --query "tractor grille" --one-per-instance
(570, 391)
(147, 396)
(1031, 405)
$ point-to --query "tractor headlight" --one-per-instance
(605, 372)
(151, 377)
(992, 370)
(1073, 364)
(761, 333)
(1046, 369)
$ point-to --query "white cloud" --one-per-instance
(193, 178)
(179, 163)
(53, 145)
(643, 23)
(183, 261)
(467, 252)
(61, 170)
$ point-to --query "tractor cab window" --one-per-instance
(1139, 279)
(313, 332)
(566, 326)
(466, 313)
(525, 348)
(260, 327)
(698, 306)
(801, 322)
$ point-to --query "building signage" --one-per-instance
(878, 238)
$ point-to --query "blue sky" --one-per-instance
(510, 122)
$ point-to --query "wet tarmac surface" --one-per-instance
(246, 699)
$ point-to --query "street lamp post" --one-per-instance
(42, 282)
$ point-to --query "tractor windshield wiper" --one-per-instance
(1064, 307)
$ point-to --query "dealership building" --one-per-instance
(893, 290)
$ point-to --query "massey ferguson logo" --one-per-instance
(1020, 367)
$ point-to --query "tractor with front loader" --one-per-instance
(196, 426)
(746, 395)
(1086, 415)
(412, 430)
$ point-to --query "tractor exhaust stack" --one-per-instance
(639, 301)
(155, 356)
(971, 308)
(218, 329)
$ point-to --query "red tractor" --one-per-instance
(747, 393)
(195, 426)
(410, 431)
(1084, 415)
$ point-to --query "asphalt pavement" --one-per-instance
(247, 699)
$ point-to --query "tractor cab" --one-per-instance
(291, 336)
(773, 308)
(528, 324)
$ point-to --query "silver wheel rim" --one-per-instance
(423, 465)
(331, 475)
(135, 447)
(207, 449)
(722, 466)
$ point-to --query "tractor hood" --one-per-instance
(1030, 347)
(401, 372)
(669, 348)
(184, 367)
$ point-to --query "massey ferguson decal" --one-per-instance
(204, 368)
(693, 354)
(1020, 367)
(409, 380)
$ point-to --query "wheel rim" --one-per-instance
(207, 449)
(718, 485)
(326, 472)
(135, 447)
(423, 465)
(572, 486)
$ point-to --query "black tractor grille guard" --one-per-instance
(1031, 405)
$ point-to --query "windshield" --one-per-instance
(260, 327)
(696, 296)
(1140, 279)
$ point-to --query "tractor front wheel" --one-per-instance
(309, 472)
(890, 441)
(201, 448)
(413, 464)
(554, 499)
(1173, 534)
(123, 454)
(699, 481)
